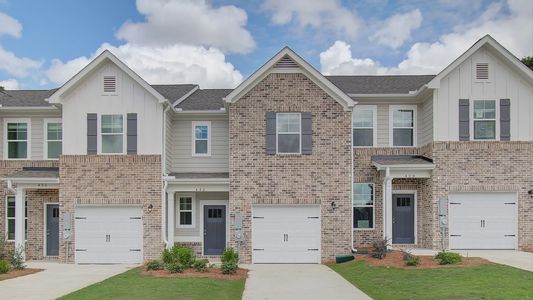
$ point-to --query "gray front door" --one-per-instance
(52, 229)
(214, 229)
(403, 219)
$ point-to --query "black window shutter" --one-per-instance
(505, 119)
(132, 133)
(270, 137)
(92, 128)
(307, 133)
(464, 120)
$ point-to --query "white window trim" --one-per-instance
(474, 71)
(496, 120)
(373, 206)
(99, 134)
(374, 109)
(178, 210)
(6, 218)
(193, 140)
(392, 108)
(45, 136)
(17, 120)
(300, 133)
(116, 85)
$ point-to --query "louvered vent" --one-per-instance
(482, 71)
(286, 62)
(110, 84)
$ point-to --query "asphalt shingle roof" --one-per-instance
(210, 99)
(388, 84)
(35, 172)
(29, 98)
(173, 92)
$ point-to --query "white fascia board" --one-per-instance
(381, 167)
(201, 111)
(25, 180)
(26, 108)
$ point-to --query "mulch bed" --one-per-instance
(18, 273)
(214, 273)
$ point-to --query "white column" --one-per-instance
(170, 218)
(387, 205)
(20, 207)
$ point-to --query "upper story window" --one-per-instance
(403, 126)
(288, 133)
(112, 133)
(363, 126)
(110, 84)
(201, 145)
(54, 138)
(484, 119)
(363, 205)
(10, 218)
(185, 211)
(17, 141)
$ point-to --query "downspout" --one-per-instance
(10, 187)
(165, 183)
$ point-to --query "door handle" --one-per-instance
(47, 232)
(205, 232)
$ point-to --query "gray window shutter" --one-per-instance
(307, 133)
(270, 138)
(132, 133)
(464, 119)
(92, 136)
(505, 119)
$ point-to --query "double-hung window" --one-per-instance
(54, 137)
(201, 132)
(185, 211)
(403, 129)
(17, 138)
(363, 205)
(363, 126)
(10, 218)
(484, 119)
(288, 133)
(112, 134)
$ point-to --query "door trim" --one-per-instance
(213, 202)
(414, 193)
(45, 223)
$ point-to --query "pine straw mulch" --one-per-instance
(18, 273)
(395, 259)
(214, 273)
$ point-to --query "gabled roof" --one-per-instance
(307, 69)
(210, 99)
(490, 41)
(174, 92)
(25, 98)
(105, 56)
(380, 84)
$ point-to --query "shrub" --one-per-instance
(175, 267)
(412, 261)
(230, 256)
(178, 254)
(229, 268)
(4, 267)
(3, 253)
(154, 265)
(379, 248)
(448, 258)
(166, 256)
(17, 261)
(200, 265)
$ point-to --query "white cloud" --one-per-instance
(513, 30)
(396, 30)
(171, 64)
(192, 22)
(10, 26)
(323, 14)
(10, 84)
(17, 66)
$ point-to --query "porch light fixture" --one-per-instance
(530, 192)
(150, 208)
(334, 205)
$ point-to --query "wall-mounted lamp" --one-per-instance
(334, 205)
(150, 208)
(530, 192)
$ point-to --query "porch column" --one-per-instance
(170, 218)
(387, 205)
(20, 207)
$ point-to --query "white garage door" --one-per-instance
(109, 235)
(483, 221)
(286, 234)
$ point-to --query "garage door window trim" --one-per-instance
(185, 211)
(363, 202)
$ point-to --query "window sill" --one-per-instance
(185, 227)
(363, 229)
(201, 155)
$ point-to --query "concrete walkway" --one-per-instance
(298, 282)
(517, 259)
(56, 280)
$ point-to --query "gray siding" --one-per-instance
(425, 121)
(196, 203)
(383, 125)
(180, 156)
(170, 143)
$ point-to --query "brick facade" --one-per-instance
(319, 178)
(113, 180)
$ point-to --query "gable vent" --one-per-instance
(286, 62)
(110, 84)
(482, 71)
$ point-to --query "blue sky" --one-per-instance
(218, 43)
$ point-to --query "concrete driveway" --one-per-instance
(56, 280)
(298, 282)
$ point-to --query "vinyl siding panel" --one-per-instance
(170, 142)
(425, 121)
(383, 125)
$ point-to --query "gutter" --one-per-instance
(222, 110)
(28, 107)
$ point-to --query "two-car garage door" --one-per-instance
(483, 220)
(109, 235)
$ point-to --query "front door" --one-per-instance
(403, 219)
(52, 229)
(214, 229)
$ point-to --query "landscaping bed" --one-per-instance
(17, 273)
(214, 273)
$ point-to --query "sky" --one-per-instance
(219, 43)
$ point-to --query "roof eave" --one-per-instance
(381, 167)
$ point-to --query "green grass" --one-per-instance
(132, 285)
(482, 282)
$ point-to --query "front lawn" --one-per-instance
(491, 281)
(132, 285)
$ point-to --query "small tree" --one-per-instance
(528, 61)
